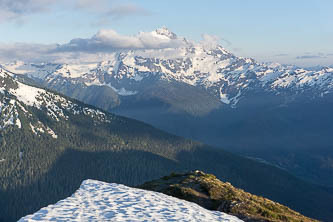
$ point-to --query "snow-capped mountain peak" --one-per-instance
(206, 65)
(164, 31)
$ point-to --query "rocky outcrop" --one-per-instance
(213, 194)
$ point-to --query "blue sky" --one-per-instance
(293, 31)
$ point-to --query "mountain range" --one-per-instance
(278, 114)
(209, 67)
(50, 143)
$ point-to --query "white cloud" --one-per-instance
(26, 52)
(100, 45)
(15, 10)
(210, 41)
(311, 57)
(108, 40)
(91, 4)
(95, 48)
(120, 11)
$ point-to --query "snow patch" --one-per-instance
(99, 201)
(27, 94)
(224, 98)
(9, 114)
(33, 129)
(51, 132)
(18, 123)
(122, 91)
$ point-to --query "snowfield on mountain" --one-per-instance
(99, 201)
(16, 95)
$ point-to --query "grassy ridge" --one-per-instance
(213, 194)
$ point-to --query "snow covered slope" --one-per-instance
(99, 201)
(205, 65)
(16, 97)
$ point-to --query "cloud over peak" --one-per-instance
(104, 42)
(107, 40)
(318, 56)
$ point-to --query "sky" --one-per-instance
(296, 32)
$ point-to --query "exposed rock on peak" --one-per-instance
(166, 32)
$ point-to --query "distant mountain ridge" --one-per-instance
(208, 66)
(16, 96)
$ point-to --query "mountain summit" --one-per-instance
(211, 193)
(164, 31)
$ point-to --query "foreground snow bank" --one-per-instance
(99, 201)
